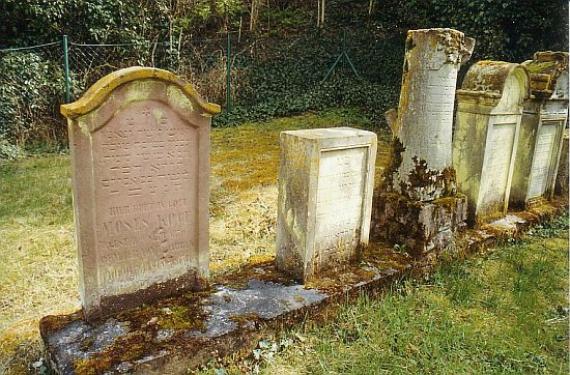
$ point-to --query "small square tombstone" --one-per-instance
(326, 180)
(489, 109)
(139, 141)
(542, 128)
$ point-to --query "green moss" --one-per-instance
(182, 318)
(448, 202)
(123, 349)
(393, 162)
(245, 318)
(540, 67)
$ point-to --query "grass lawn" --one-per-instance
(502, 313)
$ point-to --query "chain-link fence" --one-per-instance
(252, 77)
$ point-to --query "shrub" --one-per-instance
(30, 93)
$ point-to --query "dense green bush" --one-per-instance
(278, 69)
(30, 93)
(510, 30)
(284, 76)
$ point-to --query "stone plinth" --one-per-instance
(424, 121)
(418, 227)
(562, 177)
(326, 178)
(179, 335)
(542, 127)
(489, 109)
(139, 142)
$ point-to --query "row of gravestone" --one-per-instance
(501, 108)
(139, 143)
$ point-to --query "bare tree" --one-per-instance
(321, 13)
(253, 14)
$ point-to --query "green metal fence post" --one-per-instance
(66, 69)
(228, 74)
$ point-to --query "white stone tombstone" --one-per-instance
(542, 128)
(489, 109)
(326, 180)
(424, 121)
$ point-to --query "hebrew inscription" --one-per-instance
(145, 184)
(140, 158)
(340, 194)
(497, 167)
(325, 198)
(542, 163)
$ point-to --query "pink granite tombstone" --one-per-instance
(139, 142)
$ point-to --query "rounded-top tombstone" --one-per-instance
(489, 109)
(542, 128)
(139, 141)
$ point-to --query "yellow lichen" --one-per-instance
(101, 90)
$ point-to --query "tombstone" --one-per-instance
(562, 177)
(139, 141)
(326, 179)
(542, 128)
(416, 207)
(424, 120)
(489, 109)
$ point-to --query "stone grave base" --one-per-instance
(418, 227)
(176, 334)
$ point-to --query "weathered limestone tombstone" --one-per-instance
(489, 110)
(139, 141)
(417, 206)
(542, 128)
(562, 177)
(326, 179)
(424, 120)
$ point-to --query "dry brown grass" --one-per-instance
(37, 253)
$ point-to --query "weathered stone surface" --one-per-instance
(489, 109)
(139, 142)
(419, 227)
(424, 123)
(175, 335)
(326, 179)
(562, 177)
(168, 330)
(542, 127)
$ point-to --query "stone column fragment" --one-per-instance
(424, 120)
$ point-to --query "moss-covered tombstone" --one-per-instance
(326, 179)
(489, 110)
(424, 121)
(542, 128)
(139, 142)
